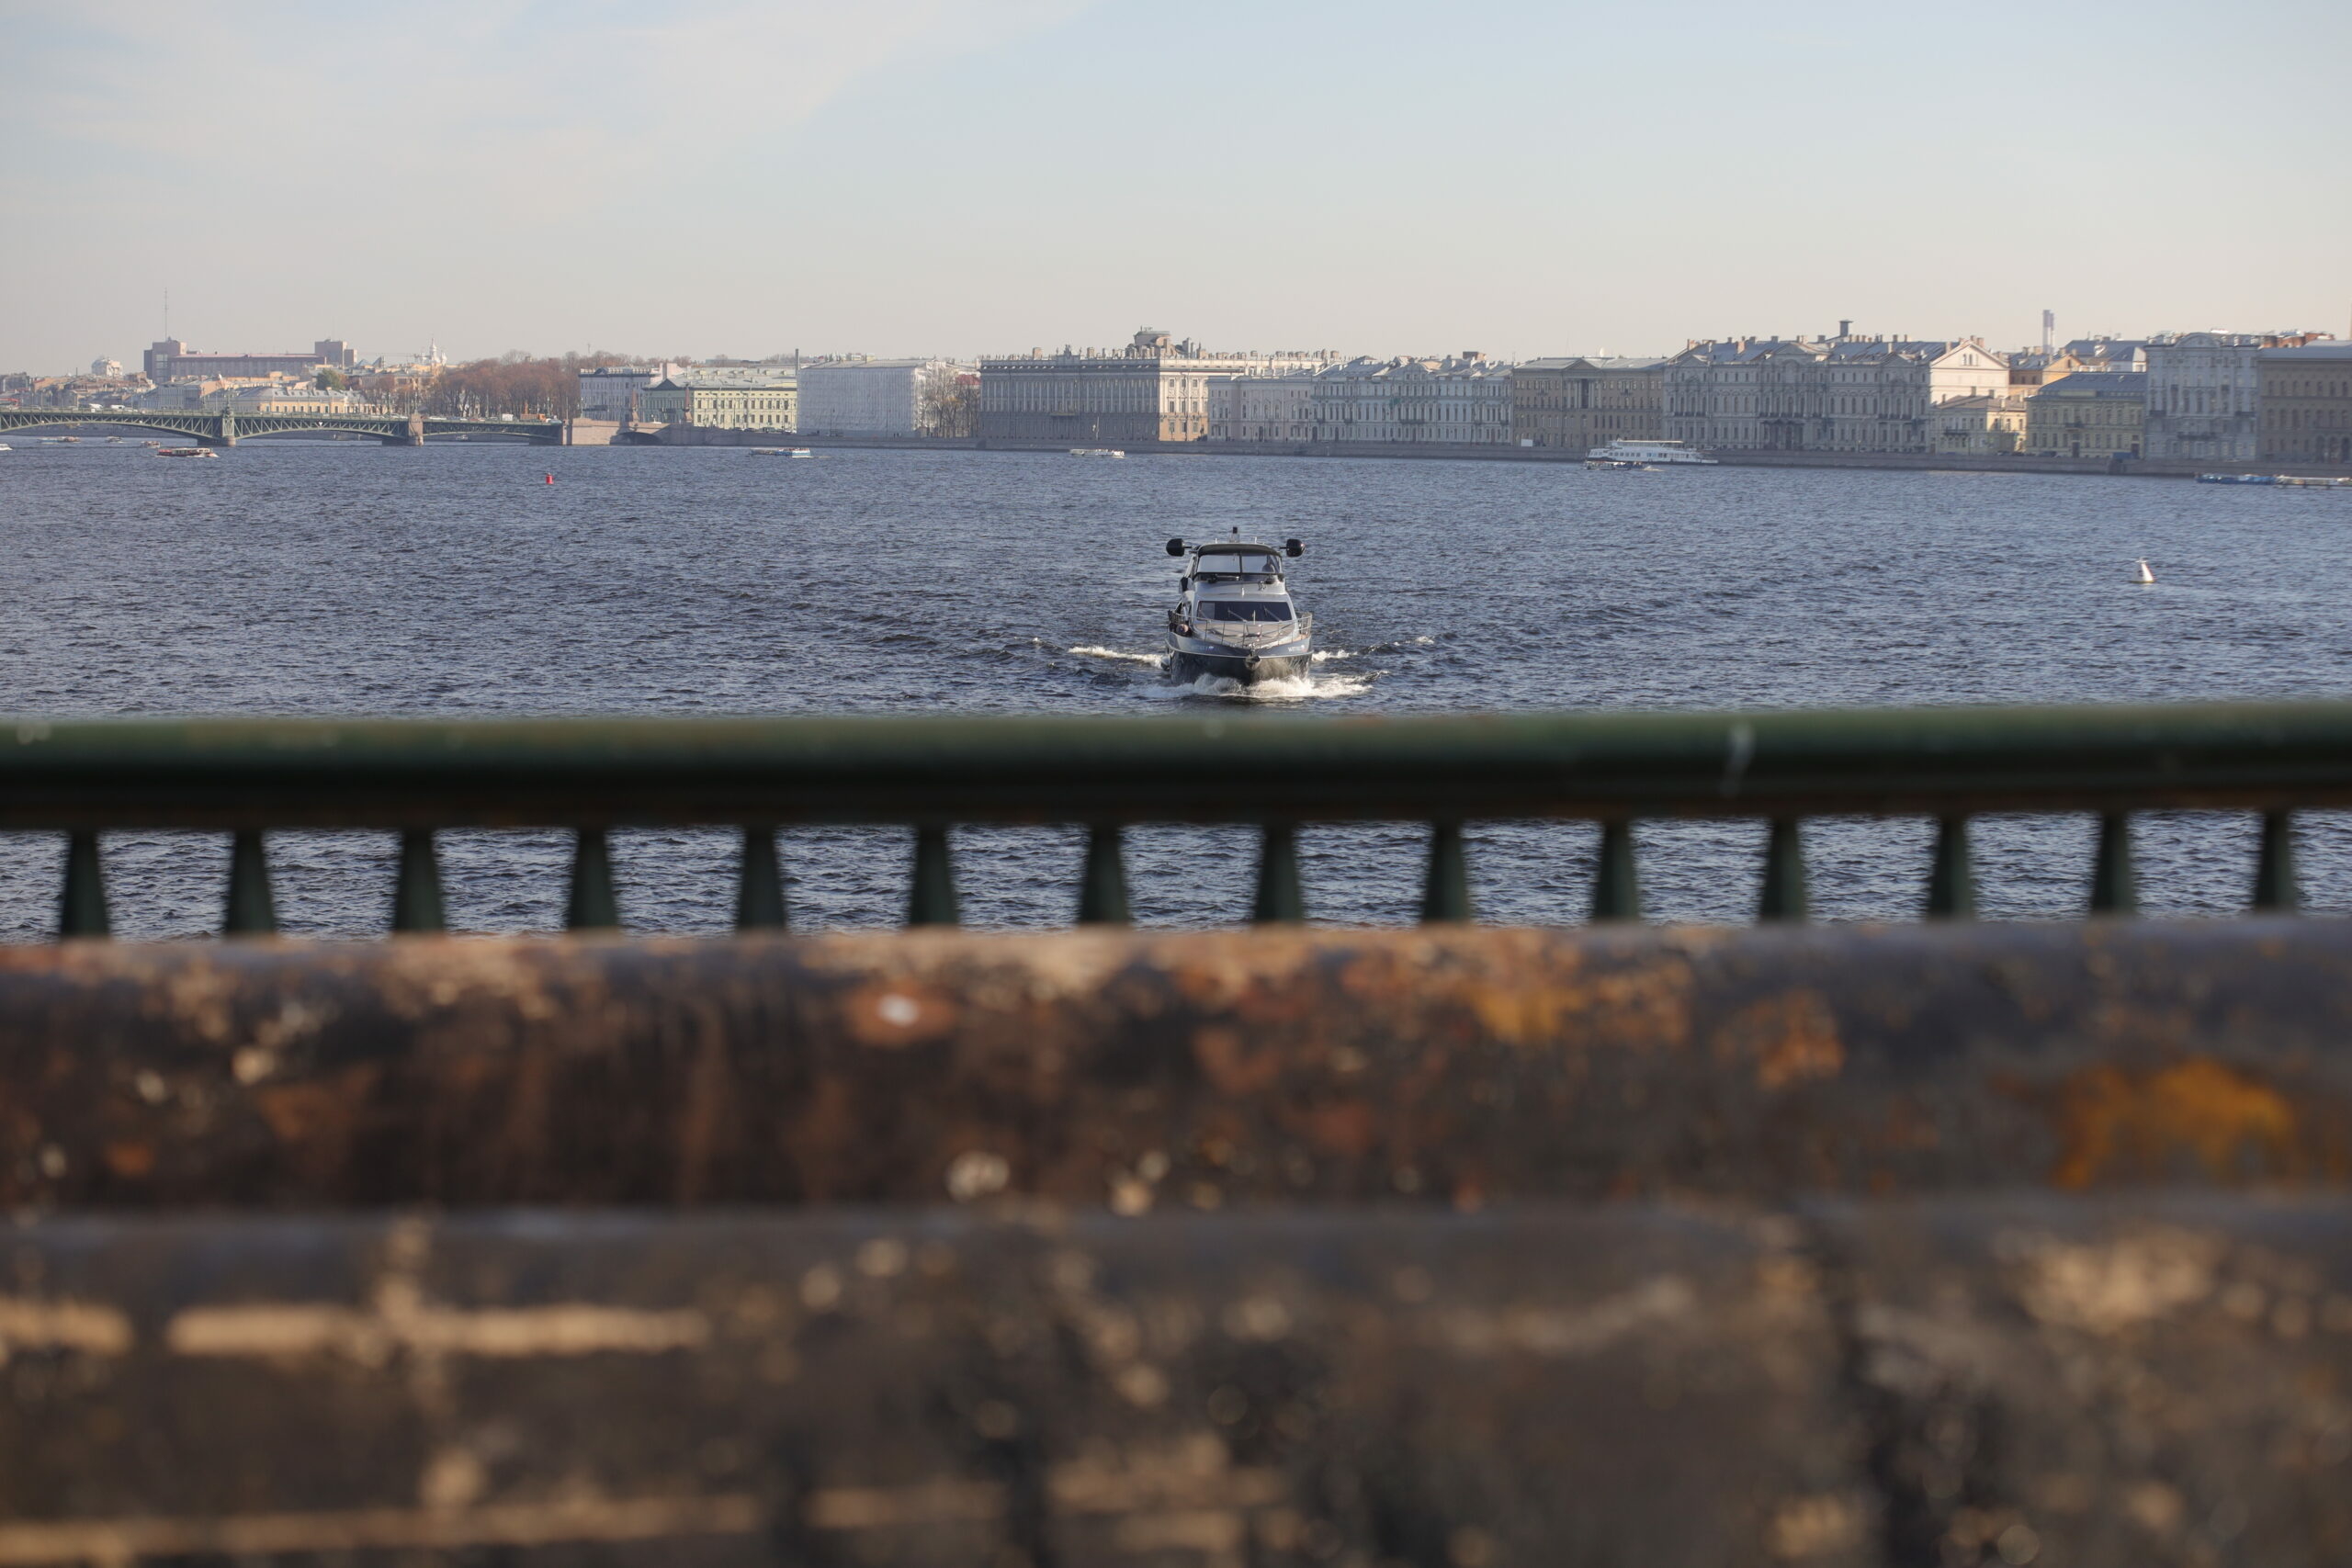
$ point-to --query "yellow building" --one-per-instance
(1984, 426)
(2098, 414)
(1581, 404)
(725, 398)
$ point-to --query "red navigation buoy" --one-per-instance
(550, 478)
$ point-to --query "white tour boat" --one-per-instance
(1096, 452)
(1235, 620)
(1646, 454)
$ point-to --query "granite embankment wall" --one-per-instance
(2143, 468)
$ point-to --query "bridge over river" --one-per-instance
(226, 429)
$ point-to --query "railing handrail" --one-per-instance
(396, 772)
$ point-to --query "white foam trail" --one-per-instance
(1322, 655)
(1294, 689)
(1095, 651)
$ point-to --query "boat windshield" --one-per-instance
(1234, 563)
(1245, 610)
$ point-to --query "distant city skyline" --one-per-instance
(917, 177)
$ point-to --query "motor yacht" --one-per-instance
(1644, 454)
(1096, 452)
(1235, 620)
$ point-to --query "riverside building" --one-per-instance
(875, 397)
(1466, 401)
(1262, 407)
(1154, 389)
(2092, 414)
(171, 359)
(617, 391)
(1836, 394)
(2306, 393)
(1578, 403)
(724, 397)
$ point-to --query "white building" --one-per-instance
(873, 397)
(1836, 394)
(1262, 407)
(724, 397)
(2202, 396)
(1459, 401)
(614, 391)
(1154, 389)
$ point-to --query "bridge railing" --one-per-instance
(1272, 772)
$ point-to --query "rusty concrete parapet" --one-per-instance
(2109, 1382)
(1438, 1065)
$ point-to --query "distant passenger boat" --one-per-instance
(1639, 454)
(2237, 479)
(767, 451)
(184, 452)
(800, 452)
(1096, 452)
(2313, 481)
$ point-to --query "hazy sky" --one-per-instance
(902, 176)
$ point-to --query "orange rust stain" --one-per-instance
(1233, 1068)
(2112, 1122)
(1346, 1128)
(129, 1160)
(321, 1113)
(1790, 1038)
(890, 1014)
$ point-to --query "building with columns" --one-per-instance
(1154, 389)
(1465, 401)
(1577, 404)
(2306, 408)
(2204, 392)
(1262, 407)
(1838, 394)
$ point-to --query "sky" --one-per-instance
(965, 176)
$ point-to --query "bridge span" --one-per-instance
(226, 429)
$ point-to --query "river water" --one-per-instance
(341, 578)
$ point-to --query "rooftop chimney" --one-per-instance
(1845, 326)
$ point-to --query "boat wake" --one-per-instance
(1303, 688)
(1116, 655)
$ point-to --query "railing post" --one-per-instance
(1445, 889)
(2276, 889)
(932, 901)
(416, 885)
(1951, 878)
(1281, 900)
(1616, 882)
(1784, 896)
(594, 904)
(251, 909)
(758, 888)
(81, 906)
(1103, 885)
(2115, 888)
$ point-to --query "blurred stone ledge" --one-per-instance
(2124, 1380)
(1452, 1066)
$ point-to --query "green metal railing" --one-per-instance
(1273, 770)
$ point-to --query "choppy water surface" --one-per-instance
(315, 578)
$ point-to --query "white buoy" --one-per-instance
(2145, 575)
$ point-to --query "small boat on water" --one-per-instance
(184, 452)
(1235, 620)
(767, 451)
(2237, 479)
(1096, 452)
(2313, 481)
(1647, 453)
(800, 452)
